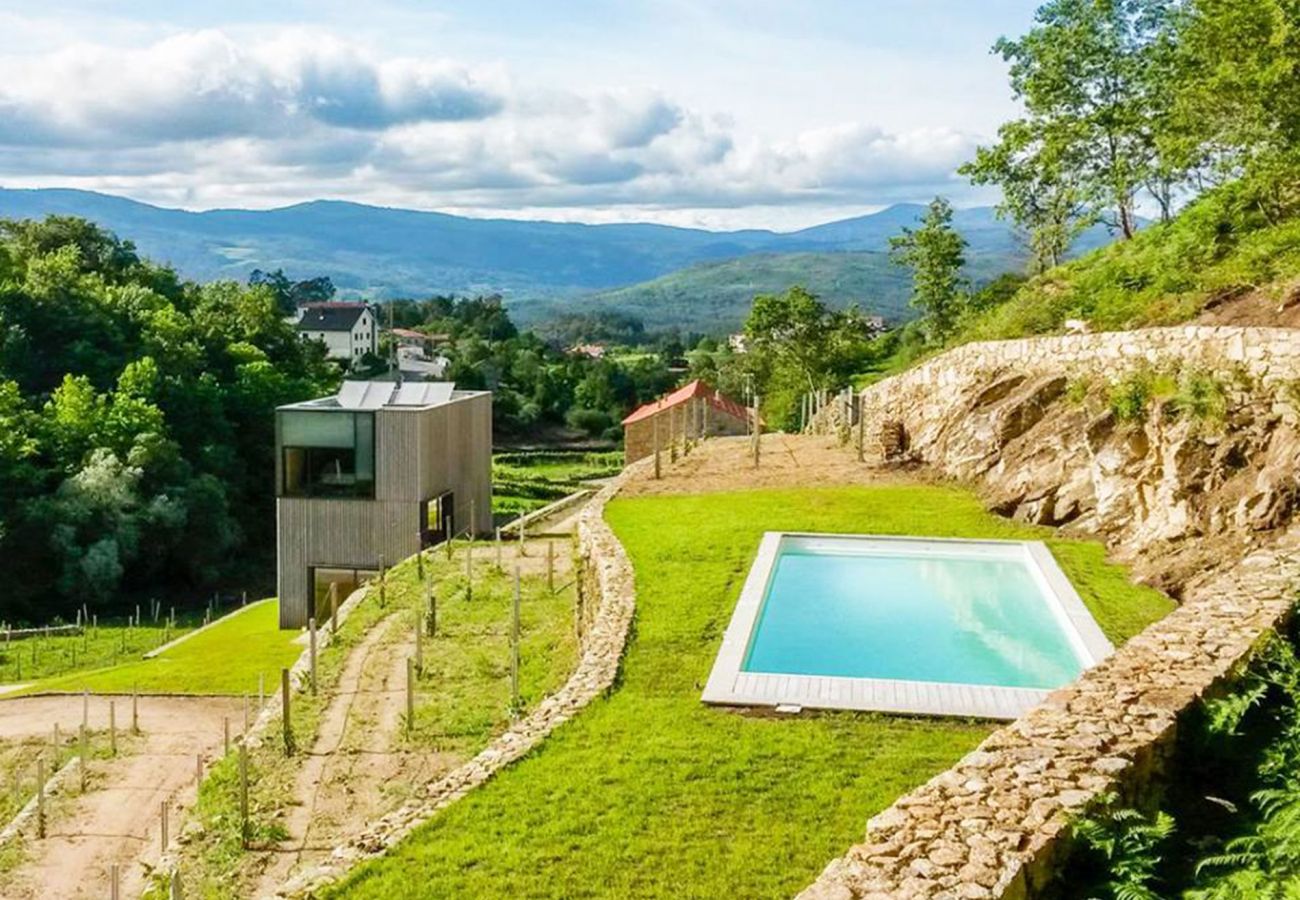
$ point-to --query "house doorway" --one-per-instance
(347, 579)
(438, 519)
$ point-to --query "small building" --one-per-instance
(688, 413)
(738, 342)
(416, 364)
(348, 330)
(370, 476)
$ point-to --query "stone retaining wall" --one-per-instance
(610, 591)
(994, 825)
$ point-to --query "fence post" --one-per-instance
(40, 796)
(311, 641)
(114, 881)
(419, 564)
(162, 830)
(334, 607)
(469, 570)
(499, 568)
(84, 757)
(654, 425)
(225, 733)
(243, 793)
(514, 651)
(288, 725)
(419, 642)
(410, 696)
(433, 604)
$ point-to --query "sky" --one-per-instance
(705, 113)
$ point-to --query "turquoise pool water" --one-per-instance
(927, 617)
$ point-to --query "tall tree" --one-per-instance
(936, 255)
(1084, 75)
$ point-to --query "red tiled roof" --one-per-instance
(695, 389)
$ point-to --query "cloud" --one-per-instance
(203, 85)
(199, 118)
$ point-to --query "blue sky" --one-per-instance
(720, 113)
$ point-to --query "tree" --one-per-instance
(1236, 67)
(935, 253)
(1090, 77)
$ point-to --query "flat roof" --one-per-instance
(371, 395)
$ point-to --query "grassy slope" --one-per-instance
(225, 659)
(1165, 275)
(97, 648)
(649, 793)
(462, 700)
(523, 482)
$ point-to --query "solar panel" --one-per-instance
(365, 394)
(424, 393)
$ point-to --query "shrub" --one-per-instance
(1201, 397)
(1130, 396)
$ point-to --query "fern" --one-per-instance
(1127, 841)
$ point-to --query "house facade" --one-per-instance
(348, 330)
(370, 476)
(688, 413)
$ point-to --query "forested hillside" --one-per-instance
(136, 427)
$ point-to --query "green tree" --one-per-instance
(935, 254)
(1095, 99)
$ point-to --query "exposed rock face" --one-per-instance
(1169, 493)
(1206, 512)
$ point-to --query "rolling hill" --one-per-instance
(668, 275)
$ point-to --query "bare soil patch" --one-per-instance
(118, 819)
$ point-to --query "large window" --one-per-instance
(327, 453)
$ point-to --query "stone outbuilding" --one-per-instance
(688, 413)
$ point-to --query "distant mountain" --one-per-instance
(381, 252)
(715, 296)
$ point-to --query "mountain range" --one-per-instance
(668, 276)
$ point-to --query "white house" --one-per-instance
(348, 330)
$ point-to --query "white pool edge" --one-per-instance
(729, 685)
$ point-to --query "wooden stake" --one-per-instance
(243, 793)
(84, 764)
(469, 571)
(135, 710)
(419, 564)
(383, 584)
(288, 725)
(162, 830)
(40, 797)
(225, 733)
(410, 696)
(334, 607)
(514, 651)
(85, 708)
(311, 643)
(419, 642)
(114, 882)
(176, 885)
(499, 568)
(450, 534)
(244, 733)
(112, 727)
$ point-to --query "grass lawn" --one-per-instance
(225, 659)
(649, 793)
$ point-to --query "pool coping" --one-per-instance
(730, 685)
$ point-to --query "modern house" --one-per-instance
(688, 413)
(348, 330)
(370, 476)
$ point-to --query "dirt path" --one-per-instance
(118, 819)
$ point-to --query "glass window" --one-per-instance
(327, 454)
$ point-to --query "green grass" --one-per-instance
(525, 481)
(649, 793)
(224, 660)
(1218, 246)
(462, 700)
(96, 648)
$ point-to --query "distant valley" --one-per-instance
(668, 276)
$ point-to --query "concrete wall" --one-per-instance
(419, 453)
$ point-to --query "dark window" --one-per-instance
(327, 453)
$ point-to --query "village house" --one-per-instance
(348, 330)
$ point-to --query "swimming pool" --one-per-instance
(910, 625)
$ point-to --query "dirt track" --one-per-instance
(117, 820)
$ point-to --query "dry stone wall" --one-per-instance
(1208, 512)
(609, 593)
